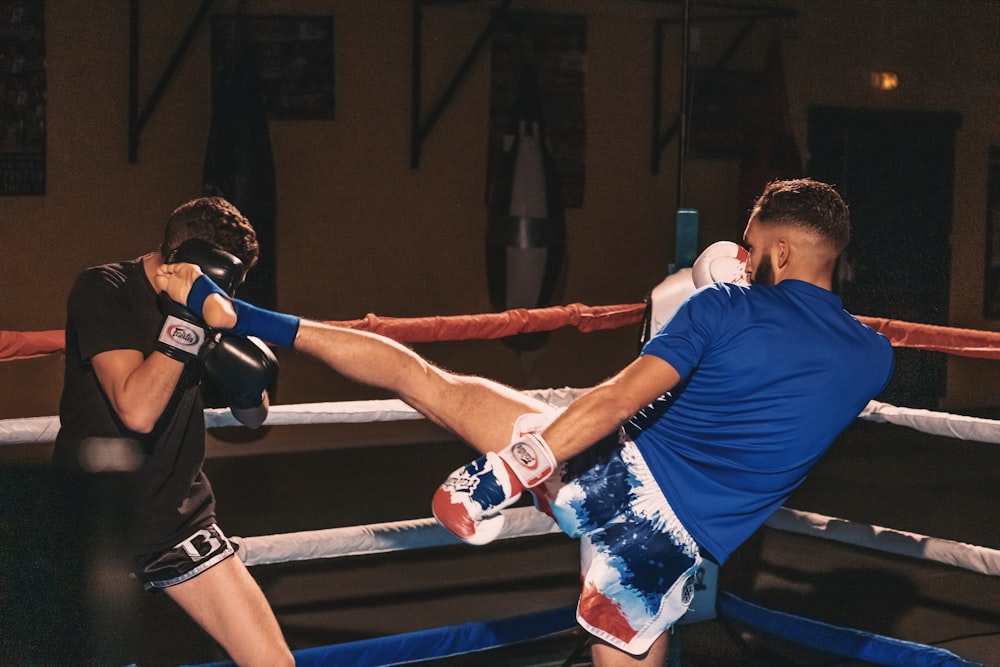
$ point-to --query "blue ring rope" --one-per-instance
(434, 643)
(845, 642)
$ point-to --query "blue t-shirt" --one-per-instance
(770, 376)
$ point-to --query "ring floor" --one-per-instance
(305, 478)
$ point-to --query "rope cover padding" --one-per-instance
(836, 640)
(29, 344)
(434, 643)
(488, 326)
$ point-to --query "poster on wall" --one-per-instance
(294, 56)
(22, 97)
(555, 46)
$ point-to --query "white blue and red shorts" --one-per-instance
(638, 562)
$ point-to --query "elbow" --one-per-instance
(139, 418)
(624, 414)
(139, 422)
(618, 406)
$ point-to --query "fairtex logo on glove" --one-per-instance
(530, 459)
(182, 335)
(525, 455)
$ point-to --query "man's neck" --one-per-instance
(150, 263)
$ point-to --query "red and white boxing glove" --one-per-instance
(470, 500)
(721, 262)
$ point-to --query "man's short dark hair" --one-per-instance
(809, 204)
(215, 220)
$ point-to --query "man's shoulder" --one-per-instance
(112, 274)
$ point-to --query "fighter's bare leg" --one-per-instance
(605, 655)
(227, 602)
(480, 411)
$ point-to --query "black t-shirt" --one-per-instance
(114, 307)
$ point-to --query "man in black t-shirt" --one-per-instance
(132, 409)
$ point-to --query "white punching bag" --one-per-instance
(526, 231)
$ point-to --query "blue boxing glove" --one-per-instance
(241, 369)
(470, 501)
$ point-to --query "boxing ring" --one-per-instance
(711, 602)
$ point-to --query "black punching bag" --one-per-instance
(526, 232)
(238, 161)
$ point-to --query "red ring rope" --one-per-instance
(949, 340)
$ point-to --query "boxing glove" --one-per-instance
(470, 501)
(183, 336)
(721, 262)
(241, 370)
(225, 269)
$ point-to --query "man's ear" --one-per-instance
(783, 250)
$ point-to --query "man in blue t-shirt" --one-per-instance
(681, 455)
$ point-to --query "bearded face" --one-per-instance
(763, 272)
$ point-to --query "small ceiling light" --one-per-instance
(884, 80)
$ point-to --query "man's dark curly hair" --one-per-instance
(215, 220)
(808, 204)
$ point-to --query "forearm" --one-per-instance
(139, 389)
(588, 419)
(604, 408)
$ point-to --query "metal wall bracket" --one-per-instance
(717, 12)
(137, 118)
(421, 126)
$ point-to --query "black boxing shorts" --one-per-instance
(200, 550)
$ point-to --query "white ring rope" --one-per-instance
(377, 538)
(962, 427)
(42, 430)
(957, 554)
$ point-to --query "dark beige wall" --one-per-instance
(359, 231)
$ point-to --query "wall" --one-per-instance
(360, 231)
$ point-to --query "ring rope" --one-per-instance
(957, 554)
(523, 522)
(16, 345)
(42, 430)
(528, 522)
(377, 538)
(979, 559)
(950, 340)
(834, 640)
(932, 422)
(434, 643)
